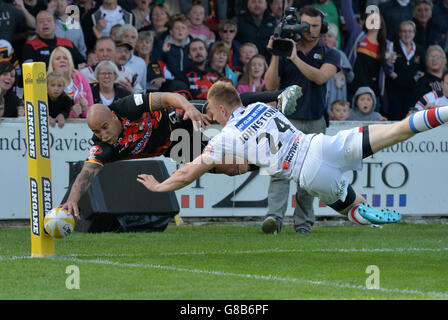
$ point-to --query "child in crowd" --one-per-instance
(254, 82)
(337, 85)
(175, 46)
(197, 28)
(247, 51)
(363, 104)
(340, 110)
(59, 103)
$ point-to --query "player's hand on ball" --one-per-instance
(148, 181)
(72, 208)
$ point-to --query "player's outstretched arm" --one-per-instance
(180, 178)
(82, 183)
(164, 100)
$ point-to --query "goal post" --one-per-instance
(38, 154)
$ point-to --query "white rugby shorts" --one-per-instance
(327, 159)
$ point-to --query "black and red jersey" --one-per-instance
(40, 49)
(145, 134)
(200, 81)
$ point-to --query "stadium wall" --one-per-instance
(410, 177)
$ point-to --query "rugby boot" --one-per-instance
(287, 100)
(378, 216)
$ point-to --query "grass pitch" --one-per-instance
(232, 262)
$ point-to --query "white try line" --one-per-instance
(256, 277)
(278, 250)
(73, 258)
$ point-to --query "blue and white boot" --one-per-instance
(287, 100)
(364, 214)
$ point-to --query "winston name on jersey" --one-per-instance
(263, 136)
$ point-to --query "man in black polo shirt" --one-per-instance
(310, 66)
(140, 126)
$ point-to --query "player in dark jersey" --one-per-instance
(140, 126)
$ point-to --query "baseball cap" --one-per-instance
(125, 44)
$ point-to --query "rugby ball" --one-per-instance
(58, 223)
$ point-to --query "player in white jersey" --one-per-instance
(263, 136)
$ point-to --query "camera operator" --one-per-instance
(309, 65)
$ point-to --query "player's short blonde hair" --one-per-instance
(225, 93)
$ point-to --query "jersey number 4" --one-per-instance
(282, 127)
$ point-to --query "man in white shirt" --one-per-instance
(106, 49)
(97, 23)
(128, 33)
(128, 76)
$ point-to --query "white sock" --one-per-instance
(427, 119)
(354, 216)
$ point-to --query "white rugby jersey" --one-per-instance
(263, 136)
(435, 97)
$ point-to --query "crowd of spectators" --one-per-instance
(393, 58)
(361, 60)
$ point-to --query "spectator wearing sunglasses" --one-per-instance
(227, 32)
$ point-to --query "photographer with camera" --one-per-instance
(300, 58)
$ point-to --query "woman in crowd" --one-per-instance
(366, 50)
(160, 17)
(142, 13)
(13, 106)
(157, 73)
(227, 32)
(219, 59)
(106, 91)
(77, 87)
(409, 64)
